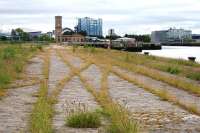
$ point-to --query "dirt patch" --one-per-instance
(93, 76)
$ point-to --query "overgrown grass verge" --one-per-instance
(42, 111)
(121, 122)
(174, 81)
(119, 116)
(163, 94)
(13, 58)
(173, 66)
(73, 72)
(41, 118)
(107, 57)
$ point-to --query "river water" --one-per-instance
(178, 52)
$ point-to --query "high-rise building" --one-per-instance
(93, 27)
(170, 35)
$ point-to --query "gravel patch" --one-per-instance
(34, 68)
(183, 96)
(58, 70)
(155, 115)
(75, 61)
(93, 76)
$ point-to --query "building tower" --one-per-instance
(58, 29)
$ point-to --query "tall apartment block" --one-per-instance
(93, 27)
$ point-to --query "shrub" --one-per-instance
(194, 76)
(19, 67)
(4, 79)
(173, 70)
(9, 53)
(84, 120)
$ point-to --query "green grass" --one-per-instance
(84, 120)
(114, 112)
(194, 76)
(112, 57)
(103, 60)
(13, 59)
(42, 113)
(173, 70)
(183, 67)
(118, 128)
(119, 116)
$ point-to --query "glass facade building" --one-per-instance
(93, 27)
(171, 35)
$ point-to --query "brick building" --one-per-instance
(65, 34)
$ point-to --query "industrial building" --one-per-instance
(171, 35)
(66, 34)
(93, 27)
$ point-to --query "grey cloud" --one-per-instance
(124, 15)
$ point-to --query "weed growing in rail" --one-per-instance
(42, 111)
(79, 116)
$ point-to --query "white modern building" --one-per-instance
(171, 35)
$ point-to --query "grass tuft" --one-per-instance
(194, 76)
(42, 111)
(84, 120)
(173, 70)
(13, 58)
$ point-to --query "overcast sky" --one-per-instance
(125, 16)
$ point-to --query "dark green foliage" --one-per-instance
(84, 120)
(4, 79)
(12, 61)
(194, 76)
(45, 38)
(141, 38)
(8, 53)
(3, 38)
(173, 70)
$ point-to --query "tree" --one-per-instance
(19, 34)
(113, 37)
(3, 38)
(45, 37)
(140, 38)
